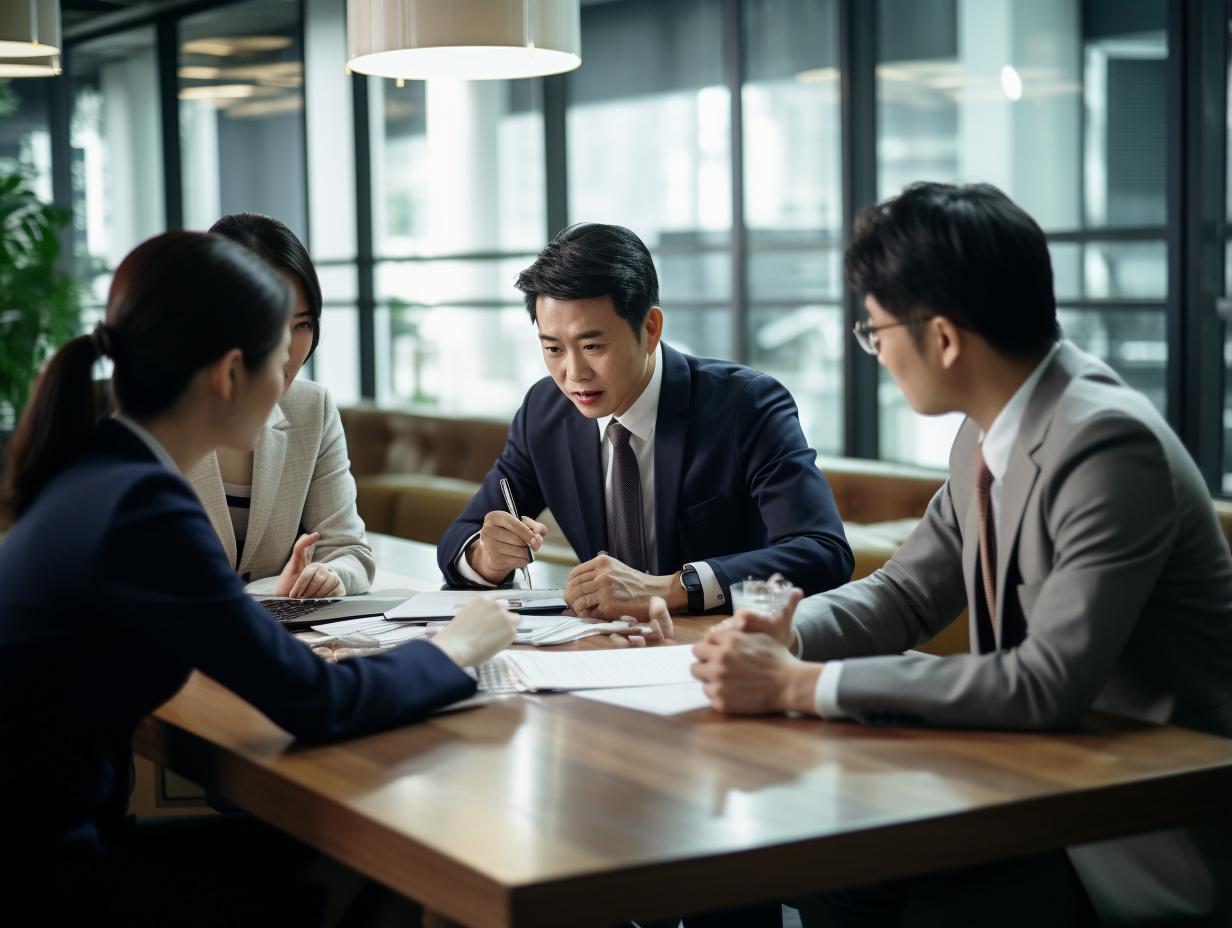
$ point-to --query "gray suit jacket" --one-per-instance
(301, 482)
(1110, 553)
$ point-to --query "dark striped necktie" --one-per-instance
(625, 537)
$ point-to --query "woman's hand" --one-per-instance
(479, 630)
(301, 579)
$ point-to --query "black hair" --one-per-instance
(966, 252)
(279, 246)
(239, 302)
(593, 259)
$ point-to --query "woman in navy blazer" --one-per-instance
(115, 587)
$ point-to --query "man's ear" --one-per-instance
(948, 339)
(652, 328)
(223, 376)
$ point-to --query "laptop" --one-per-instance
(295, 613)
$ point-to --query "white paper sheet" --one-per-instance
(669, 699)
(385, 632)
(576, 670)
(444, 604)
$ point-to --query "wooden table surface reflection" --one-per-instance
(552, 810)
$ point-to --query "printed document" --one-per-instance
(578, 670)
(668, 699)
(445, 604)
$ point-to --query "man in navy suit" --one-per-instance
(671, 476)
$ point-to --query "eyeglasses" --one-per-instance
(866, 334)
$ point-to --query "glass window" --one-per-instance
(459, 208)
(241, 89)
(25, 134)
(1060, 103)
(649, 148)
(793, 206)
(115, 137)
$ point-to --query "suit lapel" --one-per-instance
(671, 432)
(972, 577)
(589, 518)
(208, 478)
(1019, 480)
(1021, 474)
(271, 454)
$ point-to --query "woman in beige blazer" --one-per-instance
(285, 513)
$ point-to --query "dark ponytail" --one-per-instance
(178, 302)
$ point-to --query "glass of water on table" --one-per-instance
(768, 598)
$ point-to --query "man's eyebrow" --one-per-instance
(596, 333)
(306, 312)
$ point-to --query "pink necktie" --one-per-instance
(988, 533)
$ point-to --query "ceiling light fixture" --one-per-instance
(29, 38)
(463, 39)
(30, 66)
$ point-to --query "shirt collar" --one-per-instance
(1001, 435)
(149, 441)
(640, 418)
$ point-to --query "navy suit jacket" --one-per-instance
(736, 485)
(115, 588)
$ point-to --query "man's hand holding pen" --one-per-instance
(501, 545)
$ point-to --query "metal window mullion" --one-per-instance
(858, 82)
(167, 28)
(1197, 97)
(59, 116)
(556, 152)
(733, 69)
(364, 264)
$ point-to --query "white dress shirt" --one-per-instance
(640, 420)
(997, 445)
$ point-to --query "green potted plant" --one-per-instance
(40, 305)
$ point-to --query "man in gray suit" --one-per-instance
(1076, 528)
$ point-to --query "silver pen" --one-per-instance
(513, 511)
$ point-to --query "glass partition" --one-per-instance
(1060, 103)
(241, 90)
(115, 137)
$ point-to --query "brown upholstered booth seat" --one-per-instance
(415, 473)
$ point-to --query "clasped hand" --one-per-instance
(747, 666)
(605, 588)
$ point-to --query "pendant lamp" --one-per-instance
(30, 66)
(29, 28)
(463, 39)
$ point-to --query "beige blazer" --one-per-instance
(1111, 555)
(301, 482)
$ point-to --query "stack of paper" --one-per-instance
(386, 634)
(578, 670)
(445, 604)
(654, 680)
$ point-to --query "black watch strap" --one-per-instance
(692, 584)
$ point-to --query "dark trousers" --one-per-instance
(1028, 891)
(232, 871)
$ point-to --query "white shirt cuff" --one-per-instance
(712, 590)
(826, 696)
(464, 567)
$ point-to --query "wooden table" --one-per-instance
(556, 811)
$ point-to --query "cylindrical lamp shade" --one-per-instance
(463, 39)
(30, 66)
(29, 28)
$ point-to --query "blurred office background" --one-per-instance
(738, 138)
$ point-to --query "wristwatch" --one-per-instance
(692, 584)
